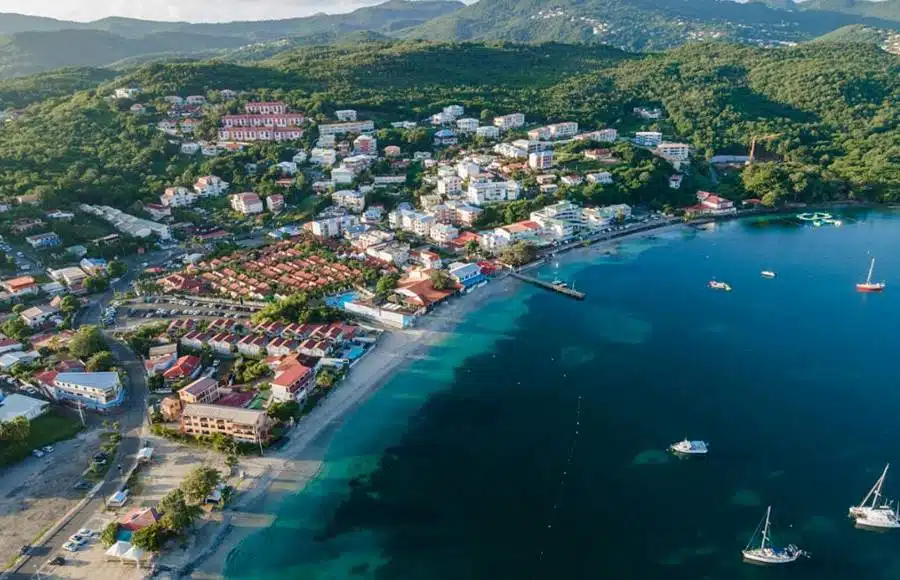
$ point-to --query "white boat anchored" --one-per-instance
(686, 447)
(767, 274)
(766, 553)
(869, 514)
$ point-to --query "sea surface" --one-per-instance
(531, 443)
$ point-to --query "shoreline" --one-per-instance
(289, 469)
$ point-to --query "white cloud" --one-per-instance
(189, 10)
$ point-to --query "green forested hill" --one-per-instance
(32, 44)
(885, 9)
(833, 107)
(639, 24)
(23, 91)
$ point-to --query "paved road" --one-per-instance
(131, 419)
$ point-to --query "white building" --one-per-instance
(15, 405)
(127, 92)
(391, 253)
(540, 160)
(443, 233)
(648, 138)
(450, 185)
(601, 136)
(481, 192)
(555, 131)
(345, 115)
(210, 185)
(287, 168)
(94, 390)
(342, 175)
(467, 169)
(300, 157)
(351, 199)
(178, 197)
(323, 156)
(356, 127)
(331, 227)
(190, 148)
(507, 122)
(487, 132)
(676, 152)
(247, 203)
(454, 111)
(510, 151)
(599, 217)
(371, 238)
(467, 125)
(602, 178)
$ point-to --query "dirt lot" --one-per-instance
(170, 465)
(37, 492)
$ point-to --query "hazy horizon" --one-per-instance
(181, 10)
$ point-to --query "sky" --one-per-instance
(189, 10)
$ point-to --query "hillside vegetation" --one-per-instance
(32, 44)
(638, 24)
(832, 108)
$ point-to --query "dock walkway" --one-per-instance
(548, 286)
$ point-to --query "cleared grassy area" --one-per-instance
(45, 430)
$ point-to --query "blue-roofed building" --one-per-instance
(45, 240)
(445, 137)
(467, 275)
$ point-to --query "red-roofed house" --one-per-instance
(223, 342)
(181, 283)
(21, 286)
(160, 364)
(252, 345)
(293, 383)
(185, 367)
(238, 399)
(715, 203)
(138, 519)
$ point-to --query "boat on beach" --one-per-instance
(869, 514)
(686, 447)
(719, 286)
(766, 553)
(868, 285)
(767, 274)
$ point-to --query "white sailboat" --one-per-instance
(766, 553)
(869, 514)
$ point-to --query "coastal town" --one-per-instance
(218, 322)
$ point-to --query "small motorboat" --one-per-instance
(767, 274)
(719, 286)
(686, 447)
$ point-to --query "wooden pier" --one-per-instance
(565, 290)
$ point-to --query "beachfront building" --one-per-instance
(248, 425)
(293, 383)
(102, 390)
(601, 217)
(466, 275)
(561, 220)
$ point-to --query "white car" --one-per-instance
(77, 540)
(85, 533)
(71, 547)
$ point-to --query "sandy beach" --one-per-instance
(288, 470)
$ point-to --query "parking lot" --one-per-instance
(165, 309)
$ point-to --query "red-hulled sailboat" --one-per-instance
(868, 285)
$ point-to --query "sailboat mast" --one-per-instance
(765, 534)
(871, 268)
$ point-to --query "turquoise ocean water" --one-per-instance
(530, 444)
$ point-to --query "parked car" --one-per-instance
(37, 453)
(86, 533)
(48, 449)
(70, 547)
(57, 561)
